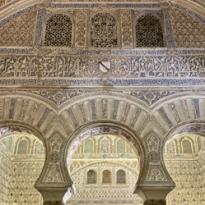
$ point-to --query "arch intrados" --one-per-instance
(192, 127)
(104, 128)
(13, 127)
(195, 127)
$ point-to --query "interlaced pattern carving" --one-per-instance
(58, 31)
(149, 32)
(19, 31)
(187, 31)
(103, 30)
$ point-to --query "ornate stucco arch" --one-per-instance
(111, 110)
(179, 114)
(28, 112)
(103, 127)
(14, 126)
(123, 111)
(193, 126)
(187, 127)
(58, 123)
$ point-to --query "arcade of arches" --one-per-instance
(102, 102)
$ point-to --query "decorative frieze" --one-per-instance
(160, 66)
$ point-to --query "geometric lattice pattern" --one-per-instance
(58, 31)
(149, 32)
(187, 32)
(103, 31)
(19, 31)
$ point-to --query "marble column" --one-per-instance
(53, 203)
(155, 202)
